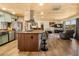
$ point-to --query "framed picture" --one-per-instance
(51, 24)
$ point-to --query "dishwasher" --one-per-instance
(11, 35)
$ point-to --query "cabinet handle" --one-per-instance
(31, 37)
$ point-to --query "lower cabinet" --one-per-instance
(3, 39)
(11, 36)
(0, 40)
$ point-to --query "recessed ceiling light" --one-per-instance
(3, 8)
(13, 12)
(42, 13)
(41, 4)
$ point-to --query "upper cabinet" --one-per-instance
(6, 17)
(1, 16)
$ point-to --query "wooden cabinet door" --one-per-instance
(31, 42)
(21, 42)
(34, 41)
(26, 42)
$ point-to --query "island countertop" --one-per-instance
(33, 31)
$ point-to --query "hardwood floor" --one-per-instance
(56, 47)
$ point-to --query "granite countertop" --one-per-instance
(33, 31)
(3, 32)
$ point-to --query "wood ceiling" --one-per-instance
(65, 10)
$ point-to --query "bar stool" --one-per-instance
(43, 42)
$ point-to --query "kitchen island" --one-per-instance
(29, 40)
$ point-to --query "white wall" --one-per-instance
(45, 23)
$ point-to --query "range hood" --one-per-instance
(32, 18)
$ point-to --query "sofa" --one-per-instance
(67, 35)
